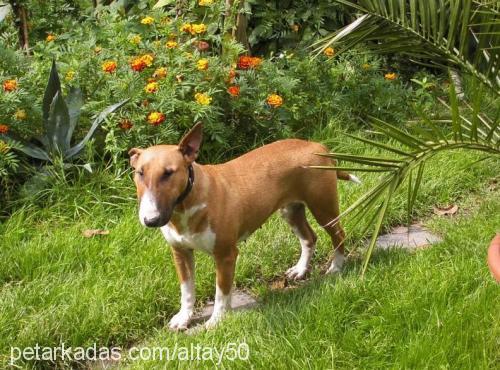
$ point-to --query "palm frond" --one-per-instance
(461, 34)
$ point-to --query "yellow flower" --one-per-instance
(151, 87)
(274, 100)
(365, 66)
(9, 85)
(148, 20)
(205, 2)
(97, 50)
(20, 115)
(390, 76)
(50, 37)
(203, 99)
(70, 75)
(198, 28)
(329, 52)
(202, 64)
(171, 44)
(160, 72)
(147, 59)
(295, 27)
(136, 39)
(155, 118)
(187, 27)
(188, 55)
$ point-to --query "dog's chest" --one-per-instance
(183, 237)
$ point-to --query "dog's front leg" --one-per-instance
(184, 265)
(225, 265)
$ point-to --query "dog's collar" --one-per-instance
(188, 188)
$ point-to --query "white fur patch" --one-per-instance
(204, 240)
(182, 319)
(221, 306)
(337, 263)
(148, 208)
(300, 269)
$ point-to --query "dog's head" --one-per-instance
(161, 176)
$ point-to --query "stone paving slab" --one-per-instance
(414, 237)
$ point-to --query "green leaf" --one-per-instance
(27, 148)
(100, 118)
(75, 102)
(162, 3)
(53, 86)
(58, 124)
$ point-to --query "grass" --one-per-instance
(434, 308)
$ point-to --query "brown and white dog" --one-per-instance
(213, 207)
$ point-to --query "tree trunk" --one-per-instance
(239, 31)
(21, 23)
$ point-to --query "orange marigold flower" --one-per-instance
(247, 62)
(231, 76)
(329, 52)
(234, 90)
(109, 66)
(151, 87)
(4, 129)
(202, 64)
(390, 76)
(20, 115)
(160, 72)
(155, 118)
(9, 85)
(295, 27)
(148, 20)
(205, 2)
(50, 37)
(274, 100)
(148, 59)
(203, 99)
(126, 124)
(171, 44)
(139, 63)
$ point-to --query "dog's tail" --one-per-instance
(348, 177)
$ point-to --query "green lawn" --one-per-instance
(433, 308)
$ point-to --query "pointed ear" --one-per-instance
(191, 142)
(134, 154)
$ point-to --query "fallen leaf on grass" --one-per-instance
(93, 232)
(446, 211)
(280, 283)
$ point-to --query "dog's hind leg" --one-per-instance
(325, 209)
(295, 215)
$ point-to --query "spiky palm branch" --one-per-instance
(461, 34)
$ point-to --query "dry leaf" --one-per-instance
(93, 232)
(446, 211)
(280, 283)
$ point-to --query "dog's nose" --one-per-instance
(152, 222)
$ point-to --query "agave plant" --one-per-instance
(458, 34)
(60, 117)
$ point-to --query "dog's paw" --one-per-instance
(333, 269)
(181, 320)
(214, 320)
(296, 272)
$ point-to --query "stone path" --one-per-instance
(414, 237)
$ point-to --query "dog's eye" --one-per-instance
(140, 173)
(166, 174)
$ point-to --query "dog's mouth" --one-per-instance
(156, 220)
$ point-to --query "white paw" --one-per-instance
(296, 272)
(181, 320)
(333, 269)
(214, 320)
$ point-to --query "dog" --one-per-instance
(213, 207)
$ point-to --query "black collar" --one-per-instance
(188, 188)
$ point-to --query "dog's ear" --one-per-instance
(134, 154)
(191, 142)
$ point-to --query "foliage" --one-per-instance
(442, 33)
(451, 33)
(60, 118)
